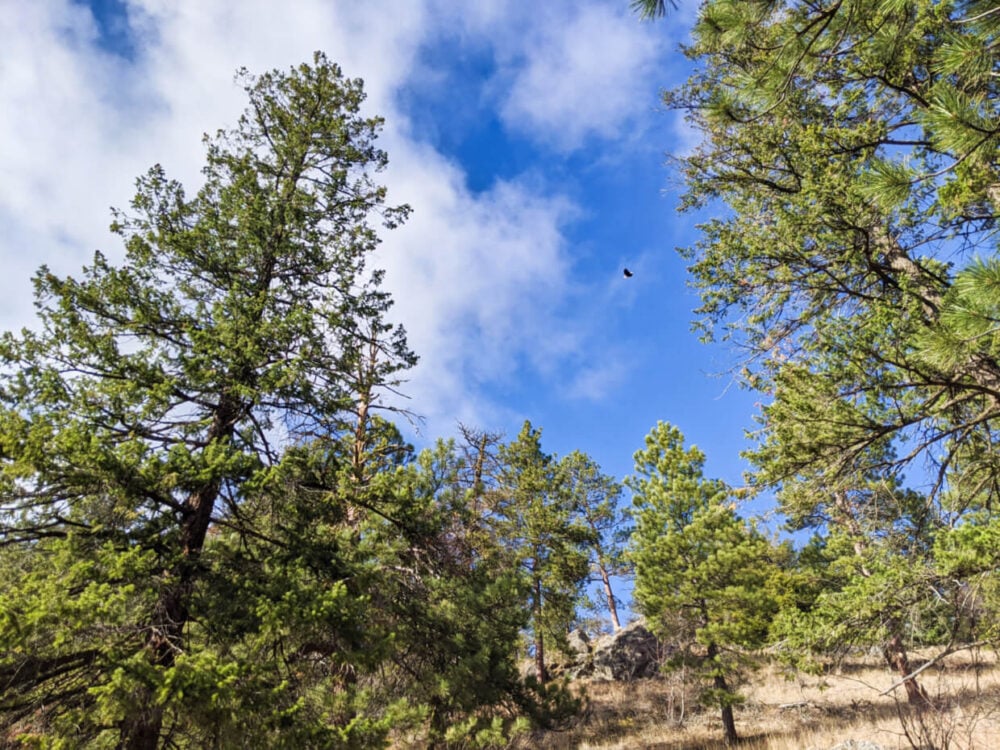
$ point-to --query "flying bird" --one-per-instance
(627, 274)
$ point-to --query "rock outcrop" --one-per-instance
(630, 654)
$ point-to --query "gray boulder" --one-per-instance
(579, 645)
(630, 654)
(578, 659)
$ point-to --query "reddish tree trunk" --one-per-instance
(612, 609)
(896, 656)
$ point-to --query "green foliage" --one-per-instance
(596, 500)
(141, 418)
(969, 319)
(855, 148)
(648, 9)
(208, 538)
(849, 152)
(708, 582)
(469, 733)
(430, 627)
(535, 520)
(967, 556)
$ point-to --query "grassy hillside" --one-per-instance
(801, 712)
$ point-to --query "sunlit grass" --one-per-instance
(786, 711)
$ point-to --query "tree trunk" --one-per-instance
(477, 470)
(719, 683)
(896, 656)
(142, 731)
(612, 609)
(540, 671)
(728, 721)
(170, 615)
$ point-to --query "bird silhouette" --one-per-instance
(627, 274)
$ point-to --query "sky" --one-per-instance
(529, 139)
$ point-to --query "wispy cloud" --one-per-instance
(581, 75)
(480, 279)
(596, 382)
(477, 278)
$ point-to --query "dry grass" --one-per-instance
(795, 712)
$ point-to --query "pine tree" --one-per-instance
(707, 582)
(475, 593)
(877, 555)
(849, 159)
(596, 499)
(156, 401)
(535, 521)
(856, 148)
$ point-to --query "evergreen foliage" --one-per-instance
(849, 155)
(209, 536)
(535, 520)
(708, 583)
(855, 147)
(596, 499)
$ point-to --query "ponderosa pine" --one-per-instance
(158, 397)
(534, 519)
(848, 176)
(708, 583)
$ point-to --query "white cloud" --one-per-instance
(194, 47)
(567, 71)
(478, 277)
(596, 382)
(69, 126)
(583, 74)
(477, 280)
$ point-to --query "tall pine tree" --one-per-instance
(536, 522)
(708, 582)
(155, 401)
(849, 156)
(596, 499)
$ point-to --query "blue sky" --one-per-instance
(529, 139)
